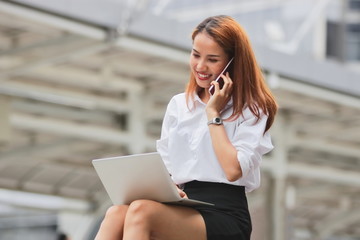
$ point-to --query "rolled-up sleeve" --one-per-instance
(251, 142)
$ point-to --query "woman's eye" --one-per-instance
(213, 60)
(196, 55)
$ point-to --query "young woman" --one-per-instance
(212, 145)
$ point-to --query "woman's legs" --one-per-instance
(113, 224)
(145, 219)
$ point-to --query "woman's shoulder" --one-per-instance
(177, 101)
(179, 98)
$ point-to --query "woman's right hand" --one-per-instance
(220, 98)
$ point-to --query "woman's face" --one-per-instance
(207, 60)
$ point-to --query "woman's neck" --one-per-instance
(204, 95)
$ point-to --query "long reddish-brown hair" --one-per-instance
(249, 87)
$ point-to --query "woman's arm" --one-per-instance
(225, 152)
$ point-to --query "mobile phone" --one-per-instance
(219, 79)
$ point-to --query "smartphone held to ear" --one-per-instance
(219, 79)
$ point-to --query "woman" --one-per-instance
(212, 145)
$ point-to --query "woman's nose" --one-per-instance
(201, 65)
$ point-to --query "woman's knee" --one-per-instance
(142, 210)
(116, 212)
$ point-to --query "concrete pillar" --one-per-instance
(277, 187)
(137, 122)
(5, 126)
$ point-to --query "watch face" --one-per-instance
(216, 121)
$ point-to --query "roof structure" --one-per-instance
(79, 85)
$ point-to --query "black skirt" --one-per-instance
(229, 219)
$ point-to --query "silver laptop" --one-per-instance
(140, 176)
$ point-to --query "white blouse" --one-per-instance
(186, 148)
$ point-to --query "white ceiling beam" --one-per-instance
(70, 129)
(158, 72)
(314, 191)
(154, 49)
(55, 41)
(22, 219)
(48, 151)
(320, 144)
(150, 111)
(58, 111)
(150, 67)
(64, 97)
(321, 173)
(66, 55)
(89, 132)
(314, 91)
(42, 201)
(83, 79)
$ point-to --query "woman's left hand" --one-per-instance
(220, 98)
(181, 193)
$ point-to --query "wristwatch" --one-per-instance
(216, 121)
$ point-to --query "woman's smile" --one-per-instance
(203, 76)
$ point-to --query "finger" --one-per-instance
(216, 86)
(183, 194)
(228, 83)
(227, 79)
(225, 86)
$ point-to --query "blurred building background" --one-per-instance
(87, 79)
